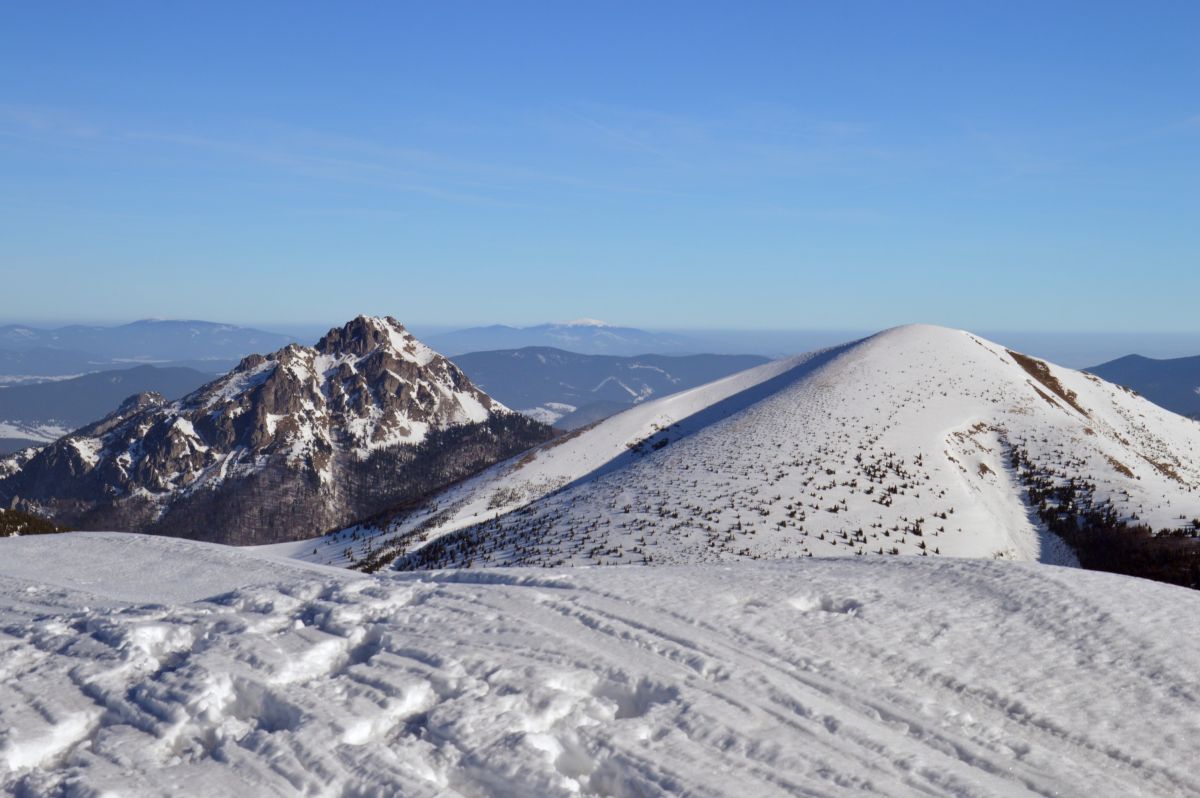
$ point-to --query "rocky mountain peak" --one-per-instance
(140, 401)
(334, 427)
(366, 334)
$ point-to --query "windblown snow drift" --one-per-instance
(153, 666)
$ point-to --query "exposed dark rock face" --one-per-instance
(283, 447)
(13, 462)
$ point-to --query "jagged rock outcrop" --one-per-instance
(12, 463)
(285, 446)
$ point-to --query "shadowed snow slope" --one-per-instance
(918, 440)
(816, 677)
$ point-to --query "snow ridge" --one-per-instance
(903, 443)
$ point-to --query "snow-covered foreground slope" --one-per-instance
(146, 568)
(816, 677)
(918, 440)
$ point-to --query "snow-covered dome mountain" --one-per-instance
(918, 440)
(286, 445)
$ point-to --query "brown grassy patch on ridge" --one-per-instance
(1120, 467)
(1049, 400)
(1164, 469)
(1041, 372)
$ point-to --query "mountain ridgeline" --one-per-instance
(149, 340)
(81, 400)
(283, 447)
(1173, 383)
(585, 336)
(919, 440)
(572, 390)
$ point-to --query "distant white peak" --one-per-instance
(585, 323)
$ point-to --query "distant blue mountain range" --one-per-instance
(585, 336)
(1173, 384)
(570, 390)
(147, 340)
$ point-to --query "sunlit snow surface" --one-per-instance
(137, 666)
(844, 451)
(41, 432)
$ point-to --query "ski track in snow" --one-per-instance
(903, 676)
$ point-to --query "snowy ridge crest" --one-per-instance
(919, 440)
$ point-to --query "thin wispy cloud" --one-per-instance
(306, 154)
(643, 152)
(753, 140)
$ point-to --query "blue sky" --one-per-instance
(743, 165)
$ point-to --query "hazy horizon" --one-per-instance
(1074, 349)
